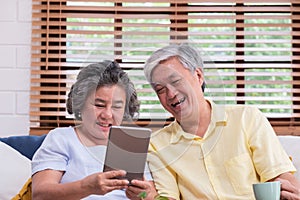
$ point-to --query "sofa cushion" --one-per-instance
(26, 192)
(15, 170)
(26, 145)
(291, 145)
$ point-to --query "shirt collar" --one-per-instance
(178, 133)
(218, 118)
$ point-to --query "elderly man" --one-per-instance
(210, 151)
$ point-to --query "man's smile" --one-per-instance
(179, 102)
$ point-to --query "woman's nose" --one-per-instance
(106, 113)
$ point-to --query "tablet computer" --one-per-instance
(127, 149)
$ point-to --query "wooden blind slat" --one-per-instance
(251, 52)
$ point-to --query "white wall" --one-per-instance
(15, 38)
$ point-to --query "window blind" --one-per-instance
(250, 48)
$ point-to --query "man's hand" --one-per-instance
(288, 190)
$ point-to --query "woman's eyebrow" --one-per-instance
(118, 102)
(99, 100)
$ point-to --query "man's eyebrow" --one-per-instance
(170, 77)
(173, 75)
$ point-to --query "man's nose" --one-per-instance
(171, 91)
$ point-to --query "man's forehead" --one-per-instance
(157, 80)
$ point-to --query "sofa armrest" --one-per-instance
(291, 145)
(15, 171)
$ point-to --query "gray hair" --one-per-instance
(189, 57)
(90, 78)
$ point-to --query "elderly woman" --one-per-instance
(69, 163)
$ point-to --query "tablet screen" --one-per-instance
(127, 149)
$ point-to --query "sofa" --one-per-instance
(17, 151)
(15, 154)
(291, 145)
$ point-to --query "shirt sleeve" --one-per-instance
(51, 154)
(269, 157)
(165, 178)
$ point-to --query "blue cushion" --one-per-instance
(26, 145)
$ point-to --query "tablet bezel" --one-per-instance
(127, 149)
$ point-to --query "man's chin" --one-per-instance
(183, 116)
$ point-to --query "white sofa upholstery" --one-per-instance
(291, 144)
(15, 169)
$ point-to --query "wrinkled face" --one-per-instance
(178, 89)
(103, 108)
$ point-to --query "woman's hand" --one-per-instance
(46, 185)
(139, 186)
(104, 182)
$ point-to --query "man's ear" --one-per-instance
(200, 76)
